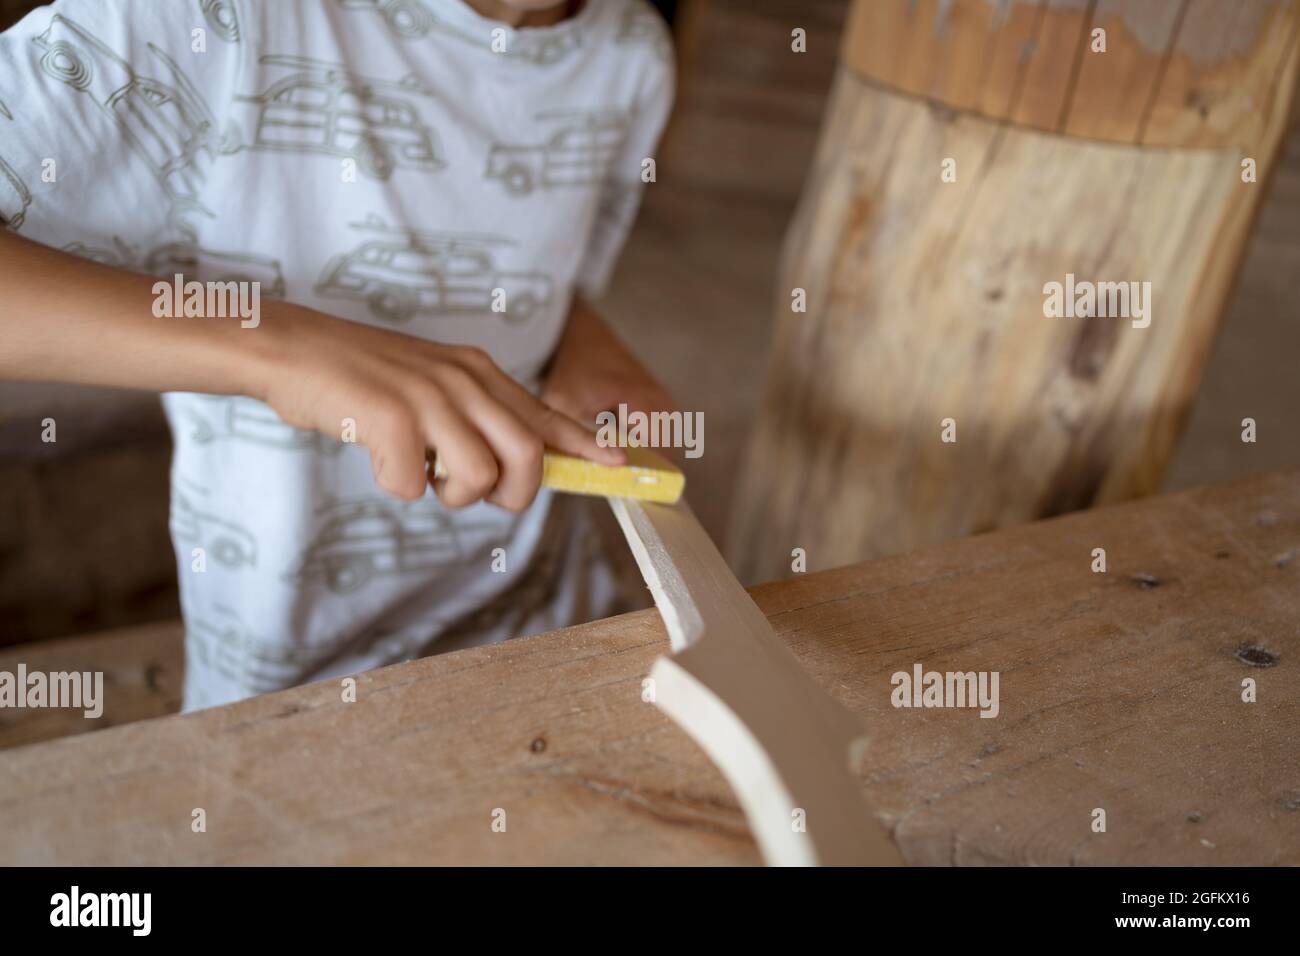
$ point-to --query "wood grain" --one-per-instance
(925, 302)
(1119, 690)
(143, 667)
(1173, 72)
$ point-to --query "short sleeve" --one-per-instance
(111, 115)
(643, 30)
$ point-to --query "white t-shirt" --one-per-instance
(403, 163)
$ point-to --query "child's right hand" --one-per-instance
(408, 395)
(66, 319)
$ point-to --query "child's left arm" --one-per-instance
(592, 372)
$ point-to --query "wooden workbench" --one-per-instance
(1119, 690)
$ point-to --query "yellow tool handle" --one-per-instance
(646, 475)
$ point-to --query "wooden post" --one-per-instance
(925, 298)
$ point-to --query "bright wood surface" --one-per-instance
(788, 750)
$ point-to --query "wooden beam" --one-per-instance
(1120, 691)
(1184, 73)
(925, 304)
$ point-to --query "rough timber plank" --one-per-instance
(1119, 690)
(143, 668)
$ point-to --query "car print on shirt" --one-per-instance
(191, 261)
(511, 609)
(117, 253)
(580, 151)
(166, 123)
(395, 645)
(227, 542)
(219, 640)
(640, 24)
(222, 17)
(402, 273)
(357, 541)
(15, 197)
(318, 107)
(414, 20)
(209, 265)
(246, 420)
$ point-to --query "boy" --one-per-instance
(376, 221)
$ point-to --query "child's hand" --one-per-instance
(408, 395)
(592, 372)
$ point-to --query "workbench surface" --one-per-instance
(1119, 690)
